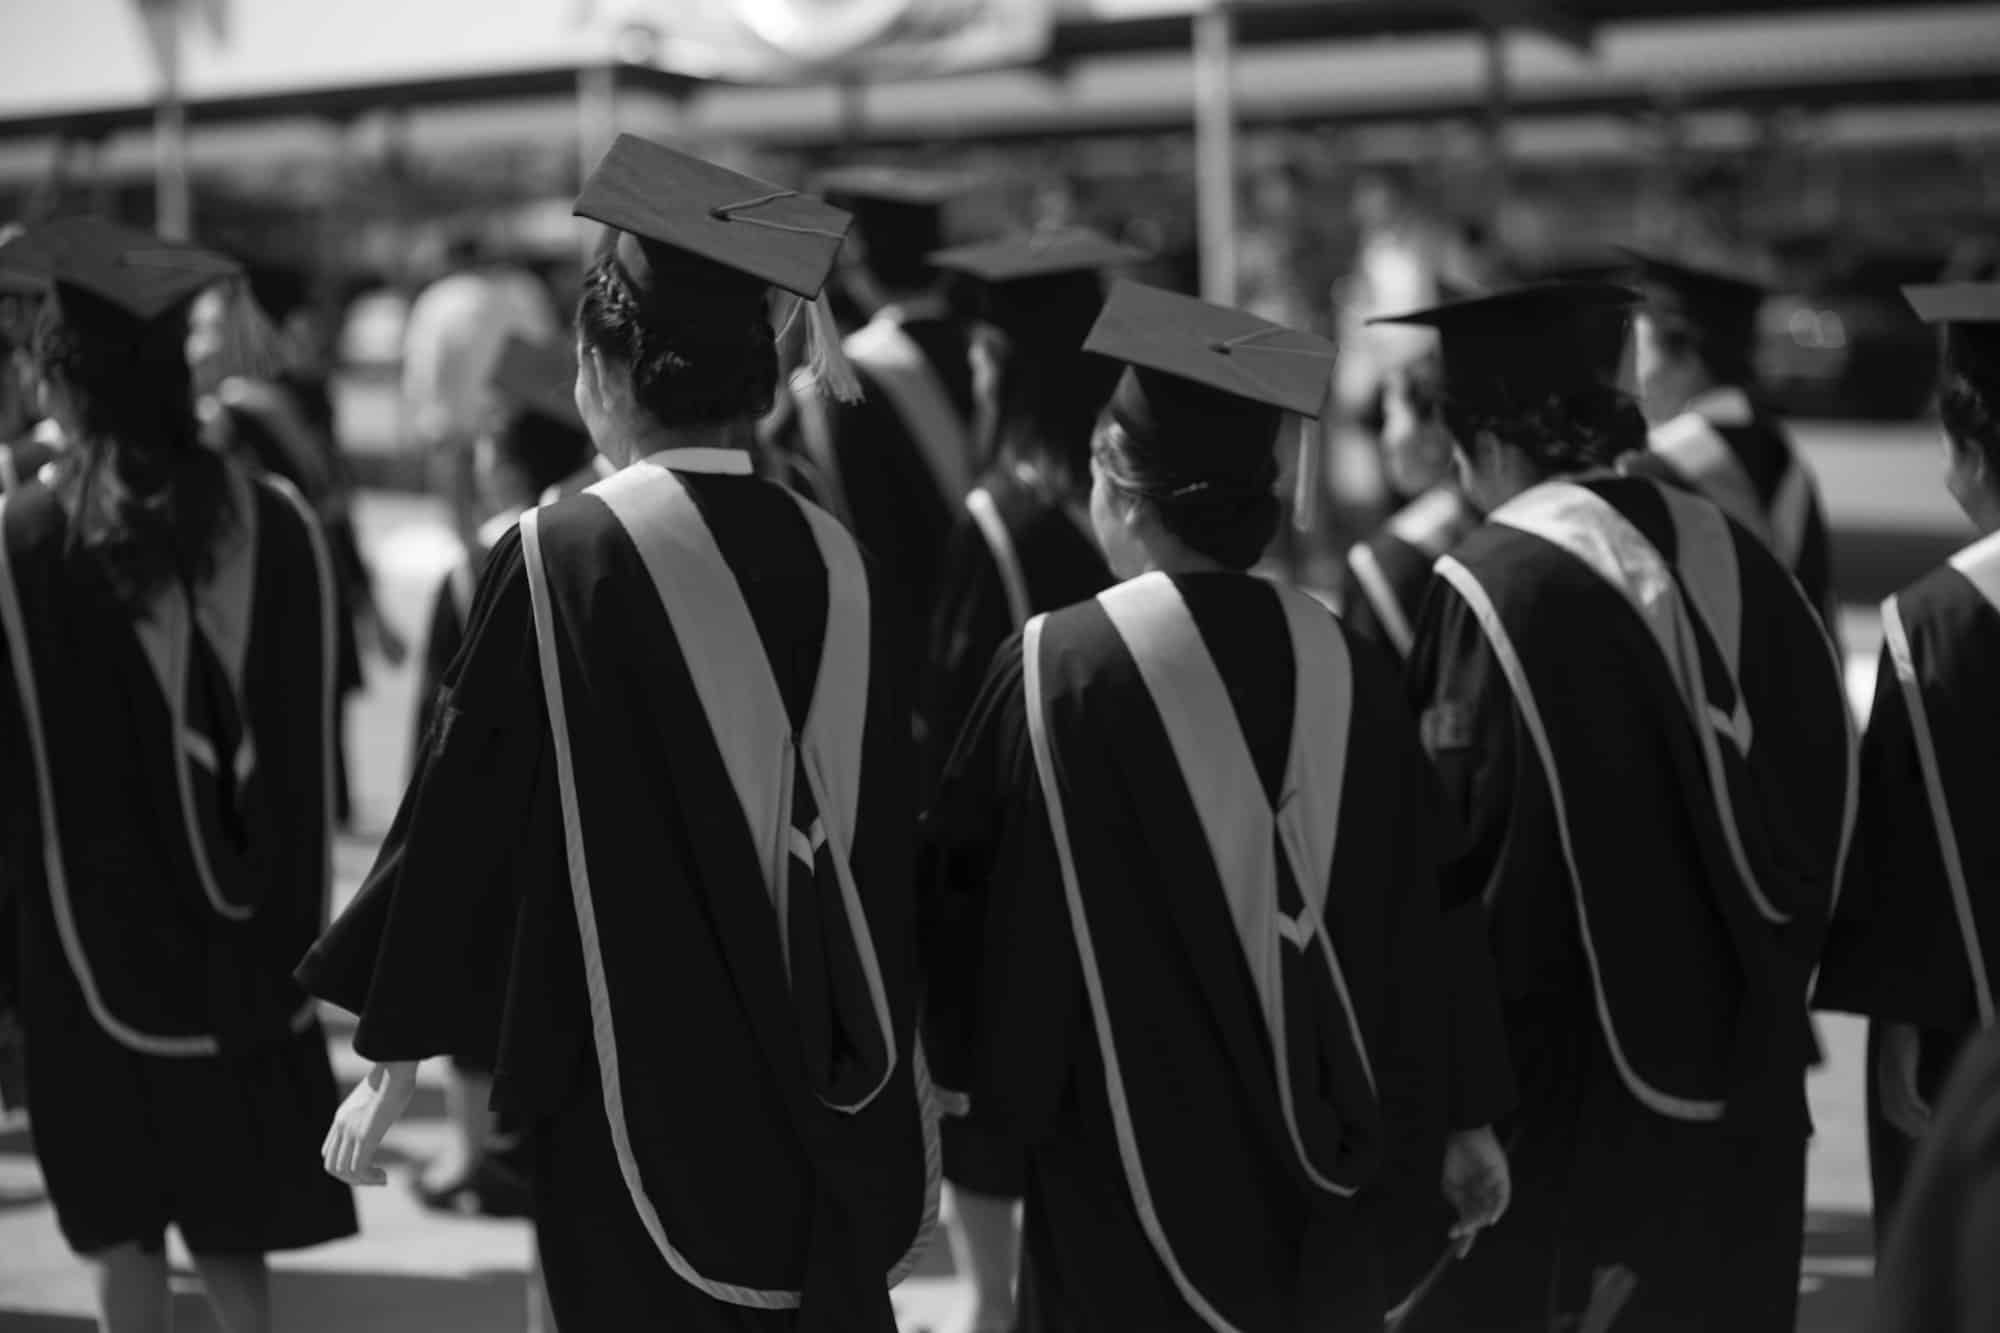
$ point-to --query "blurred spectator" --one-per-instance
(456, 329)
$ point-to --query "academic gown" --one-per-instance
(1920, 919)
(896, 466)
(450, 618)
(1937, 1273)
(1017, 550)
(165, 804)
(1732, 450)
(1180, 1175)
(1641, 724)
(1389, 574)
(627, 889)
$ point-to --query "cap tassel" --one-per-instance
(249, 339)
(827, 367)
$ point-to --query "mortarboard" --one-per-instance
(1956, 302)
(898, 211)
(1968, 314)
(1042, 284)
(539, 376)
(685, 226)
(1720, 304)
(1213, 348)
(101, 270)
(780, 237)
(1514, 348)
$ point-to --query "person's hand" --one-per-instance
(1896, 1061)
(376, 1104)
(1476, 1182)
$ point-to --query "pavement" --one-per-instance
(410, 1271)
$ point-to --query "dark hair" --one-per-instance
(698, 342)
(1045, 410)
(151, 501)
(1561, 434)
(1969, 389)
(545, 451)
(1230, 517)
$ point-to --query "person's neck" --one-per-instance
(1166, 554)
(646, 438)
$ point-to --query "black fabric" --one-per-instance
(599, 1266)
(1707, 1000)
(895, 509)
(1060, 564)
(1895, 951)
(1007, 1018)
(225, 1150)
(163, 960)
(1891, 1152)
(783, 1192)
(223, 1147)
(1406, 568)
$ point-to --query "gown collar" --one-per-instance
(718, 462)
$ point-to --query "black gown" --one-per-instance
(164, 858)
(1016, 551)
(1655, 1010)
(1730, 449)
(897, 483)
(1920, 919)
(1389, 574)
(697, 1173)
(1196, 1168)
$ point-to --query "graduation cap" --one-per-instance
(1968, 315)
(1956, 302)
(1041, 284)
(1514, 348)
(898, 213)
(1204, 386)
(540, 377)
(1720, 305)
(102, 269)
(689, 228)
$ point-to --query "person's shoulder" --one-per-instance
(1952, 596)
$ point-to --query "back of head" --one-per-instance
(1969, 388)
(695, 337)
(1049, 390)
(148, 500)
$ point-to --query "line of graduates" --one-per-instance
(772, 859)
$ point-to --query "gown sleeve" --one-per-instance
(1004, 993)
(1893, 949)
(17, 801)
(1467, 726)
(425, 953)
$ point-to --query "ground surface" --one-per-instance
(413, 1272)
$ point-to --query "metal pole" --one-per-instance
(1215, 152)
(596, 127)
(1499, 110)
(173, 205)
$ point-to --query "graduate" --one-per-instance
(897, 463)
(537, 452)
(1921, 917)
(1389, 574)
(1022, 545)
(1695, 352)
(166, 709)
(539, 442)
(1185, 941)
(1641, 727)
(658, 854)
